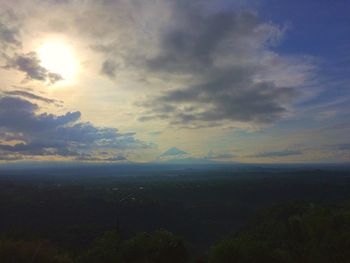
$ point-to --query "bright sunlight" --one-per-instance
(57, 56)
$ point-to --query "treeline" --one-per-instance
(293, 233)
(160, 246)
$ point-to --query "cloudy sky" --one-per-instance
(260, 81)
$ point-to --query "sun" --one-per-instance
(58, 56)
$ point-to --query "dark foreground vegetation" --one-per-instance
(176, 215)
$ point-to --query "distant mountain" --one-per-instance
(173, 152)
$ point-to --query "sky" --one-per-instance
(118, 81)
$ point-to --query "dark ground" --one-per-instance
(71, 206)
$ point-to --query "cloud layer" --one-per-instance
(223, 53)
(275, 154)
(198, 65)
(171, 67)
(212, 66)
(26, 132)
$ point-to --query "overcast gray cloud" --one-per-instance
(220, 100)
(27, 133)
(212, 65)
(223, 57)
(193, 43)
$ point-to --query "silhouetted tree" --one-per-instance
(105, 249)
(159, 247)
(290, 234)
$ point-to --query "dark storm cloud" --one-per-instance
(219, 51)
(277, 154)
(220, 100)
(29, 63)
(48, 134)
(193, 44)
(19, 115)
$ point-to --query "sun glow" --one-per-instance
(57, 56)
